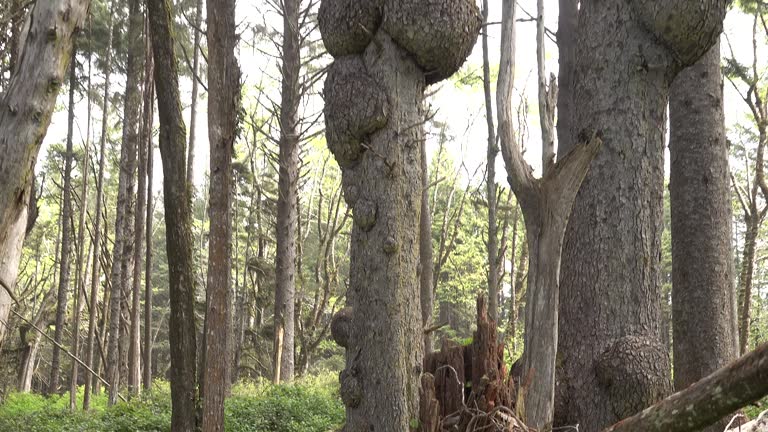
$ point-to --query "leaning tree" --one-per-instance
(386, 53)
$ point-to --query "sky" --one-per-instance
(457, 106)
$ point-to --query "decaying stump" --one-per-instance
(472, 386)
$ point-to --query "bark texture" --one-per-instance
(149, 114)
(28, 104)
(703, 294)
(288, 190)
(374, 117)
(708, 400)
(627, 55)
(178, 219)
(223, 111)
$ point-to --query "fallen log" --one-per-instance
(707, 401)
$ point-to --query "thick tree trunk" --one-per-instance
(374, 117)
(149, 114)
(30, 99)
(178, 220)
(703, 295)
(287, 211)
(123, 261)
(610, 310)
(66, 234)
(706, 401)
(566, 43)
(223, 111)
(90, 360)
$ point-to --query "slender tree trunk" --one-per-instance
(703, 296)
(149, 114)
(123, 261)
(66, 233)
(426, 261)
(195, 91)
(178, 220)
(144, 142)
(745, 278)
(82, 265)
(287, 211)
(610, 309)
(490, 181)
(223, 111)
(92, 318)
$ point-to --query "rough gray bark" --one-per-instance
(30, 98)
(123, 261)
(66, 234)
(92, 338)
(287, 210)
(490, 182)
(708, 400)
(178, 220)
(703, 295)
(223, 111)
(613, 362)
(546, 206)
(568, 22)
(374, 126)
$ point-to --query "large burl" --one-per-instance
(386, 52)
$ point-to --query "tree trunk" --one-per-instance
(546, 206)
(610, 309)
(149, 114)
(706, 401)
(30, 99)
(223, 110)
(374, 116)
(178, 220)
(92, 337)
(752, 221)
(287, 211)
(426, 261)
(123, 261)
(66, 233)
(195, 91)
(490, 182)
(568, 23)
(703, 296)
(144, 141)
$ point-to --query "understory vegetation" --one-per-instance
(311, 404)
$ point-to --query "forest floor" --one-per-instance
(311, 404)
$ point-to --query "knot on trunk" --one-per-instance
(341, 326)
(634, 372)
(348, 26)
(365, 214)
(355, 106)
(439, 33)
(688, 29)
(350, 391)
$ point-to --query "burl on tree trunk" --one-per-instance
(386, 53)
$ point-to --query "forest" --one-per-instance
(383, 215)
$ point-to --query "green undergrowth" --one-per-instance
(310, 405)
